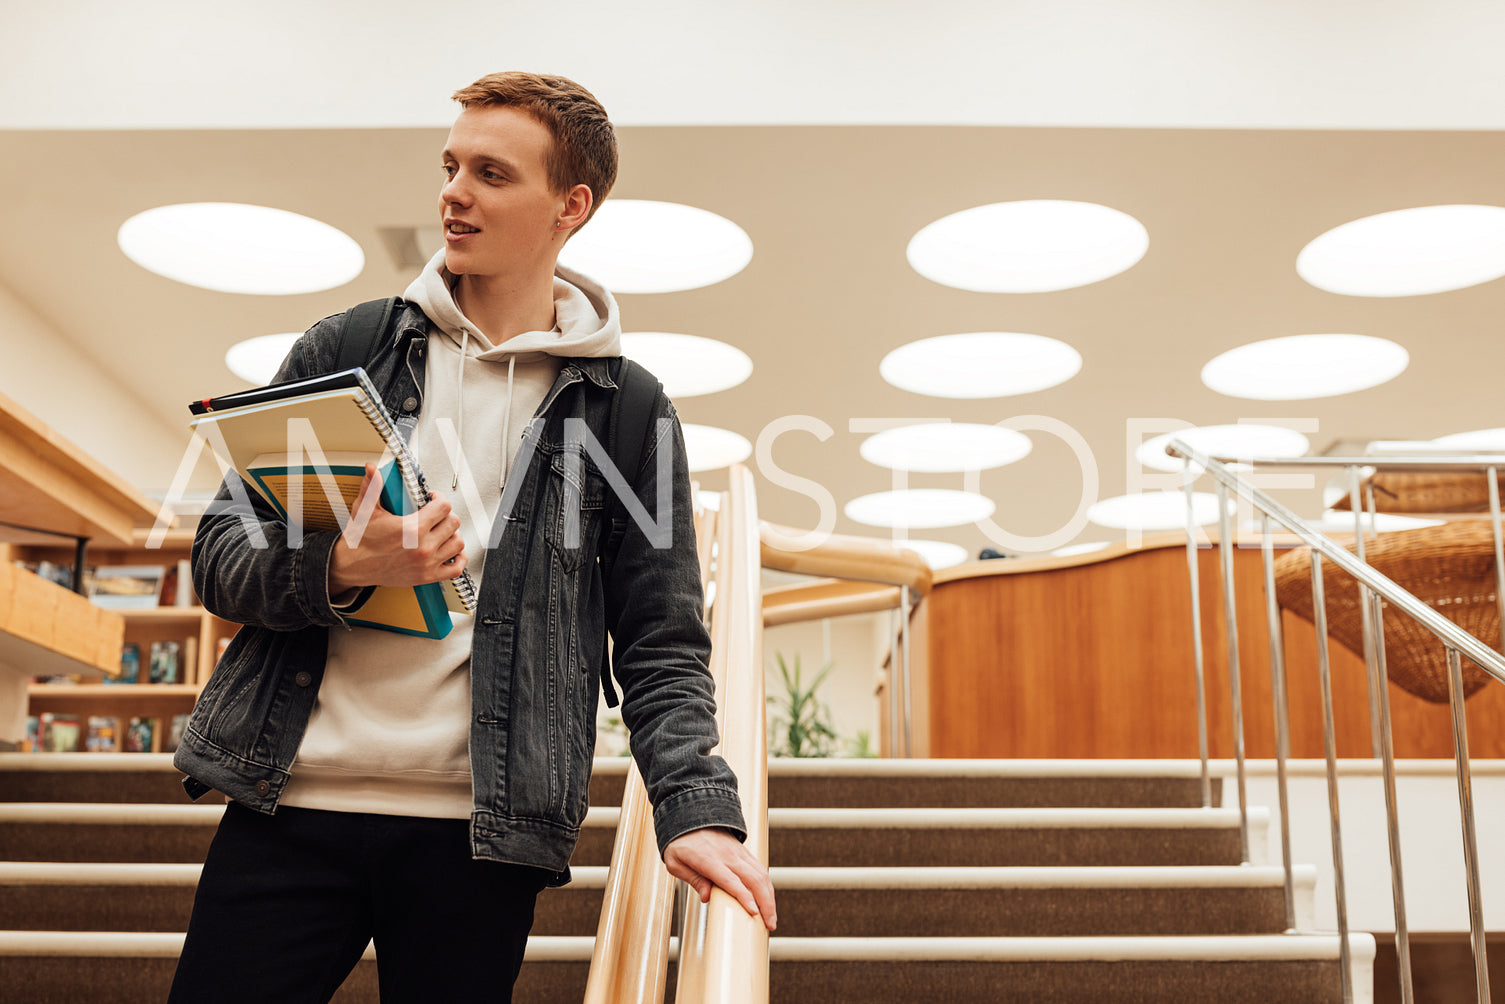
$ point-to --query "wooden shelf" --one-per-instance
(47, 630)
(119, 700)
(48, 483)
(157, 615)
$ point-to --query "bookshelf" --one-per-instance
(50, 486)
(198, 634)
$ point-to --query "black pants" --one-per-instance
(287, 904)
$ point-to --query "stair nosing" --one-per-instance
(1013, 818)
(544, 948)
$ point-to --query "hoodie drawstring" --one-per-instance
(460, 397)
(507, 424)
(460, 415)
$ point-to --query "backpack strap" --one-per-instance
(363, 325)
(633, 406)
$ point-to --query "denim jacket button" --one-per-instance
(304, 678)
(263, 787)
(410, 404)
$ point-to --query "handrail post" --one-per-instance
(1392, 809)
(1365, 628)
(904, 612)
(1466, 807)
(1282, 716)
(1235, 684)
(1494, 522)
(893, 686)
(1330, 748)
(1196, 644)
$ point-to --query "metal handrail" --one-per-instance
(1480, 654)
(1471, 464)
(1374, 589)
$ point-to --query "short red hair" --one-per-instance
(584, 151)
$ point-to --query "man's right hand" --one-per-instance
(382, 549)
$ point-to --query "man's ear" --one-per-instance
(577, 206)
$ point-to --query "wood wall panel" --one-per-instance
(1095, 660)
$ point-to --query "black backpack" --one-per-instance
(632, 409)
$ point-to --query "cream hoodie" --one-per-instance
(390, 729)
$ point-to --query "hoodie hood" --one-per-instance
(586, 322)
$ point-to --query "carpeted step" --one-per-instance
(51, 967)
(1106, 784)
(1038, 902)
(1260, 969)
(793, 783)
(61, 968)
(813, 902)
(895, 838)
(130, 833)
(87, 896)
(151, 777)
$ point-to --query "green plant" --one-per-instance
(862, 746)
(800, 724)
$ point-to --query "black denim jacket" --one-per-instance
(540, 630)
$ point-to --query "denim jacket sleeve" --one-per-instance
(243, 566)
(654, 610)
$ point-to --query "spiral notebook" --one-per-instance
(334, 425)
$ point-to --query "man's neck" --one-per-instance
(504, 308)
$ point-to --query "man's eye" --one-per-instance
(449, 170)
(492, 176)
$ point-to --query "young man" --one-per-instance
(422, 792)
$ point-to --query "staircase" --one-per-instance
(958, 881)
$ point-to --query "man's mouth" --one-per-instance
(462, 228)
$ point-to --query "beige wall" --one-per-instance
(858, 647)
(47, 375)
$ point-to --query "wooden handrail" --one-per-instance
(630, 958)
(826, 598)
(723, 952)
(842, 557)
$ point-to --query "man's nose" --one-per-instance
(455, 189)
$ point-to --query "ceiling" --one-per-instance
(830, 209)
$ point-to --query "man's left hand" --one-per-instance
(714, 857)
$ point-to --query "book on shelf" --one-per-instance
(313, 482)
(163, 667)
(130, 664)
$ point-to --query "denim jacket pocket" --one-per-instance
(576, 502)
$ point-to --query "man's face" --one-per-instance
(496, 205)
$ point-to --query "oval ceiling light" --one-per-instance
(641, 246)
(1074, 549)
(1033, 246)
(230, 247)
(937, 553)
(1477, 441)
(1298, 367)
(710, 448)
(942, 447)
(1154, 510)
(1223, 441)
(980, 364)
(688, 365)
(924, 508)
(1408, 252)
(257, 359)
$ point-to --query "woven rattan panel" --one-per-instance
(1450, 568)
